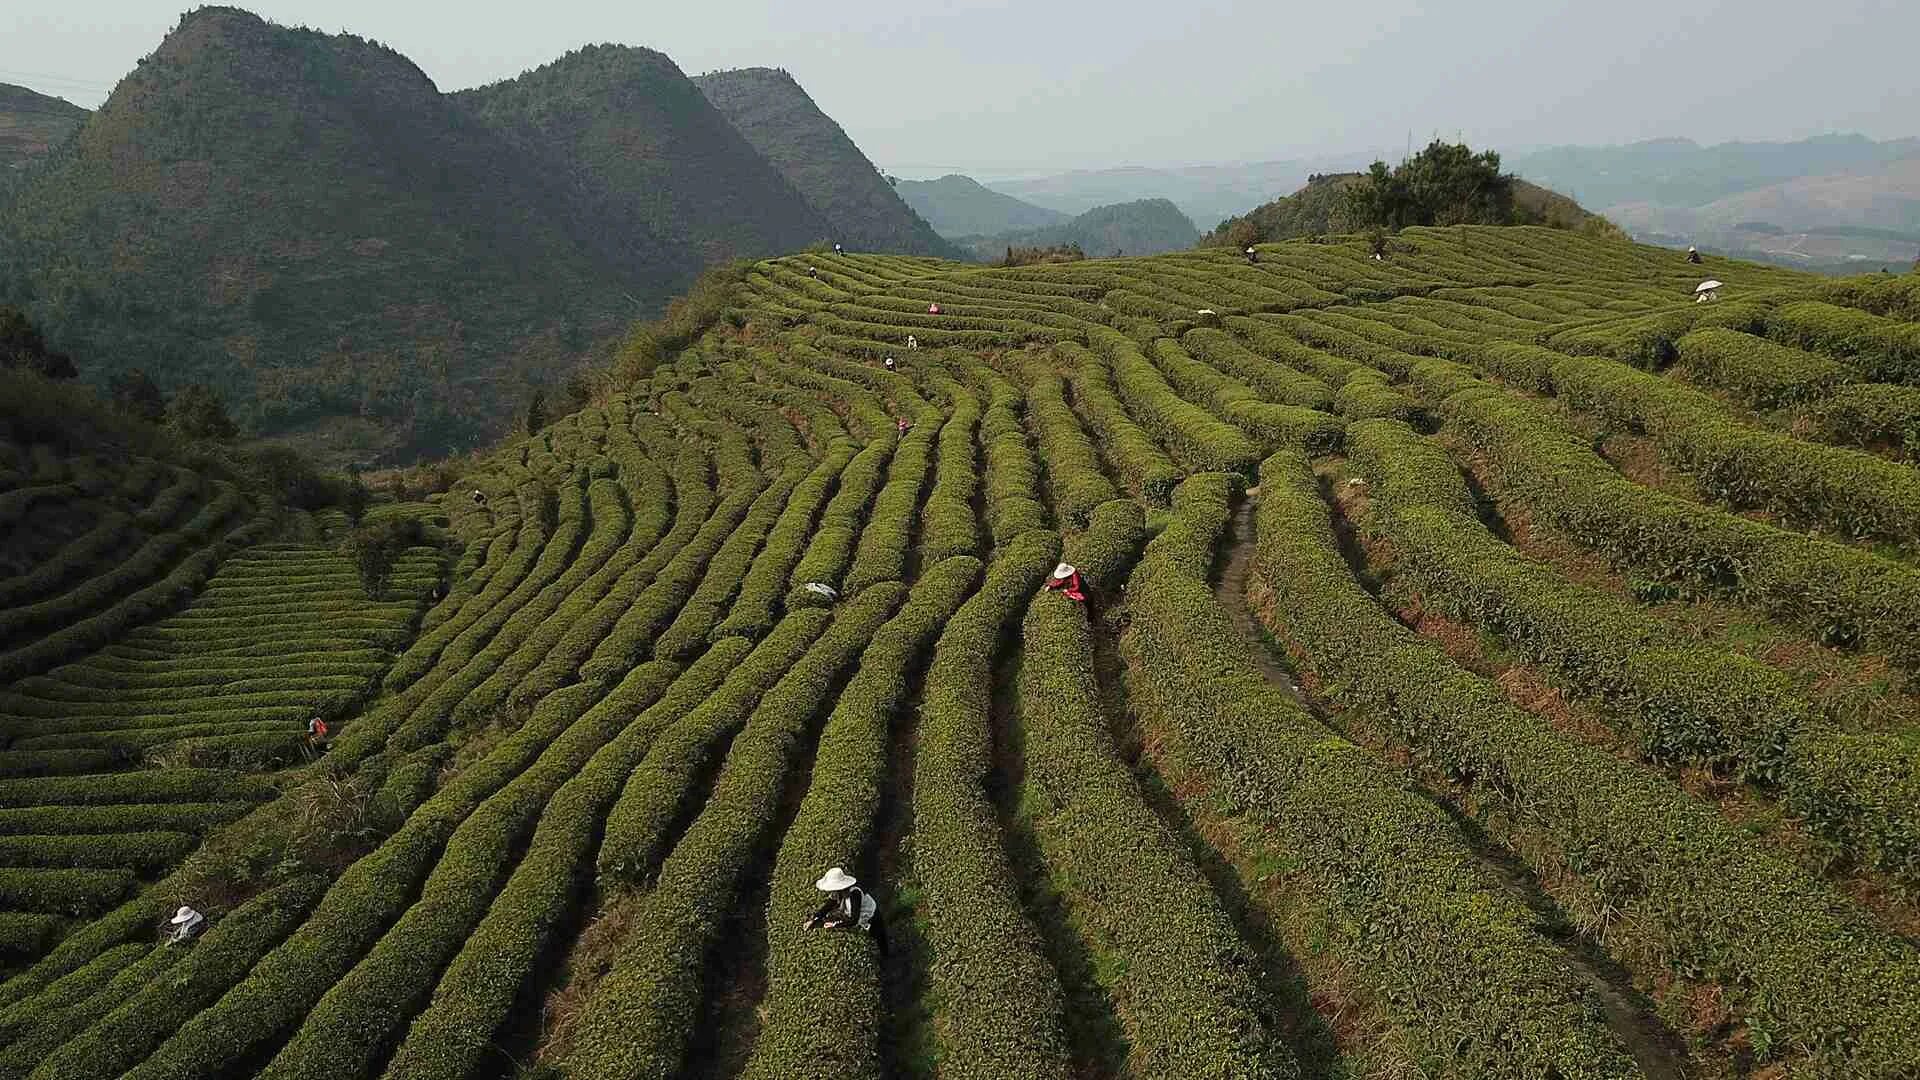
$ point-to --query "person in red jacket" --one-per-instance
(1066, 580)
(933, 309)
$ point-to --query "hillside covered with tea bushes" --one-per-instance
(1493, 662)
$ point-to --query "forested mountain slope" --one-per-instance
(959, 206)
(1147, 227)
(380, 271)
(306, 223)
(641, 141)
(814, 153)
(31, 124)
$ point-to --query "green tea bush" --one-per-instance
(1162, 946)
(1709, 897)
(822, 1007)
(1135, 457)
(1075, 483)
(1840, 594)
(642, 1014)
(999, 1006)
(1471, 977)
(1882, 350)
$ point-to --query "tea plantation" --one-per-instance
(1494, 662)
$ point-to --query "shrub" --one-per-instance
(1660, 864)
(1470, 977)
(999, 1006)
(1166, 951)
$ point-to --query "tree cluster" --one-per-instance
(1445, 184)
(23, 347)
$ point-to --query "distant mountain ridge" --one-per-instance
(1834, 203)
(1204, 193)
(32, 123)
(1142, 227)
(1681, 172)
(372, 267)
(642, 143)
(959, 206)
(813, 153)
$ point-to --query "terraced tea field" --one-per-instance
(1494, 663)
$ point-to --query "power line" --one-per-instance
(47, 77)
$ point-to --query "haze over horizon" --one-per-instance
(1001, 91)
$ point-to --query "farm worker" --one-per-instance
(821, 588)
(889, 363)
(902, 424)
(317, 733)
(185, 923)
(837, 251)
(1252, 255)
(813, 271)
(933, 309)
(912, 342)
(1066, 578)
(1693, 255)
(479, 497)
(848, 907)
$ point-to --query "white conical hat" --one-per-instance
(834, 880)
(1063, 571)
(184, 915)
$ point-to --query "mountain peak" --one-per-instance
(777, 116)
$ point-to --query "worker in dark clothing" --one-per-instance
(813, 271)
(888, 363)
(848, 907)
(837, 251)
(1252, 255)
(1693, 255)
(479, 497)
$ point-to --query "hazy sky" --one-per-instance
(1007, 89)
